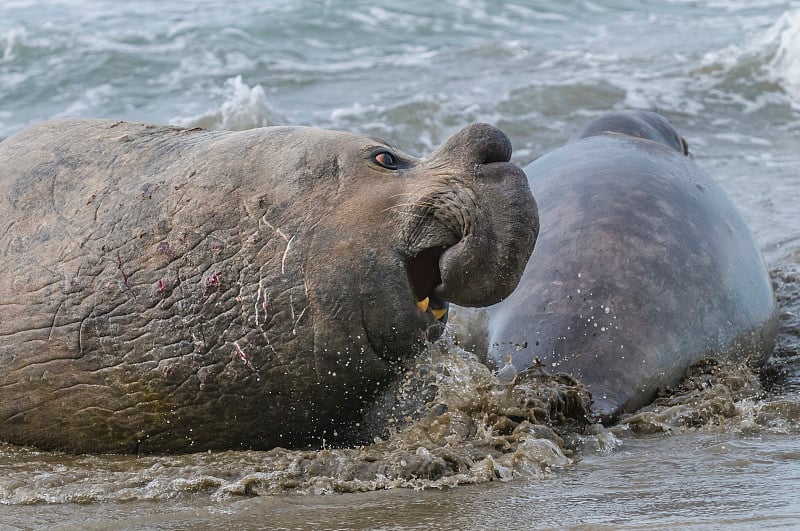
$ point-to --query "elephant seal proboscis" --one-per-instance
(174, 290)
(643, 267)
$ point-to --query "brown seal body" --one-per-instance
(166, 289)
(643, 267)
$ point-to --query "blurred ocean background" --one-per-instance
(725, 72)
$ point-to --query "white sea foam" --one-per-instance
(12, 37)
(779, 49)
(244, 107)
(785, 65)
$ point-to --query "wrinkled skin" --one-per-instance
(171, 290)
(642, 268)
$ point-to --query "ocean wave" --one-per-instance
(9, 41)
(418, 123)
(244, 107)
(755, 70)
(761, 71)
(785, 64)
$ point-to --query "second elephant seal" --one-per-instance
(642, 268)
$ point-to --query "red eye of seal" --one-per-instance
(386, 160)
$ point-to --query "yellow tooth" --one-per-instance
(439, 313)
(423, 304)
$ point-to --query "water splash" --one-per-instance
(13, 37)
(785, 65)
(735, 398)
(759, 66)
(244, 107)
(453, 423)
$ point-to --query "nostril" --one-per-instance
(478, 144)
(490, 144)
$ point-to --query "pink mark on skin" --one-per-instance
(161, 287)
(213, 281)
(243, 355)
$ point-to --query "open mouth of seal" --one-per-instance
(424, 275)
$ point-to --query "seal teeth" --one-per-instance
(438, 313)
(423, 304)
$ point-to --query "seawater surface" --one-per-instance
(465, 450)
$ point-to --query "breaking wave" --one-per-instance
(244, 107)
(785, 64)
(764, 63)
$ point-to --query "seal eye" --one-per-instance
(386, 160)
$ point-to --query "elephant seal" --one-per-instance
(176, 290)
(643, 267)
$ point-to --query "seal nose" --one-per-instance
(479, 144)
(497, 227)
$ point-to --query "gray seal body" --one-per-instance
(643, 266)
(178, 290)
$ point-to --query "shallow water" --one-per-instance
(692, 481)
(720, 451)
